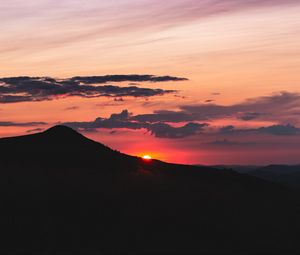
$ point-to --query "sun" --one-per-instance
(147, 157)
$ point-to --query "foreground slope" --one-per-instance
(63, 193)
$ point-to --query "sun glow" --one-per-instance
(147, 157)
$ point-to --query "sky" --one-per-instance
(185, 81)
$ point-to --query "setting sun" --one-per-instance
(147, 157)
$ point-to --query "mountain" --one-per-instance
(65, 194)
(283, 174)
(243, 169)
(59, 146)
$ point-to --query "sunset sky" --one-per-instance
(185, 81)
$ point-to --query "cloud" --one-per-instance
(160, 127)
(280, 130)
(277, 130)
(281, 107)
(164, 116)
(127, 121)
(20, 124)
(72, 108)
(227, 129)
(100, 19)
(32, 89)
(35, 130)
(127, 78)
(119, 99)
(162, 130)
(269, 107)
(124, 115)
(249, 115)
(117, 120)
(226, 142)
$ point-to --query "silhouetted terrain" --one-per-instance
(63, 193)
(243, 169)
(283, 174)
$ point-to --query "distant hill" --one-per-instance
(65, 194)
(283, 174)
(238, 168)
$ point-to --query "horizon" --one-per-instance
(147, 157)
(190, 82)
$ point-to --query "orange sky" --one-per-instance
(229, 51)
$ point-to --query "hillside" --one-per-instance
(64, 193)
(286, 175)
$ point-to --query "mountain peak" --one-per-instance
(60, 129)
(57, 146)
(63, 134)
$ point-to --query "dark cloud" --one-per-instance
(226, 142)
(275, 107)
(123, 116)
(279, 130)
(5, 99)
(126, 120)
(280, 107)
(119, 99)
(117, 120)
(35, 130)
(162, 130)
(30, 89)
(20, 124)
(125, 78)
(164, 116)
(227, 129)
(249, 115)
(72, 108)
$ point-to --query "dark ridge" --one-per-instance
(60, 129)
(62, 193)
(56, 132)
(286, 175)
(59, 147)
(63, 134)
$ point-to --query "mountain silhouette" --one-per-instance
(64, 193)
(283, 174)
(57, 146)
